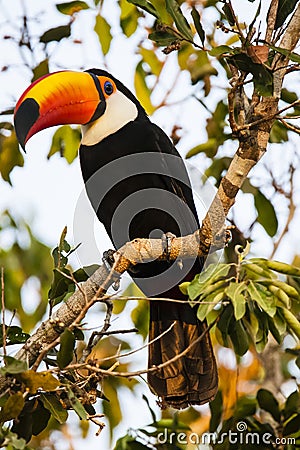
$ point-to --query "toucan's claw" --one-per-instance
(167, 239)
(108, 259)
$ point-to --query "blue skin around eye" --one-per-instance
(108, 87)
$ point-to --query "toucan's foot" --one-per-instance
(108, 259)
(167, 239)
(228, 235)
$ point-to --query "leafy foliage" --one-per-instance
(10, 155)
(26, 258)
(256, 296)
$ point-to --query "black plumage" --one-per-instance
(112, 173)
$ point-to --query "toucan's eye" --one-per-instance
(108, 88)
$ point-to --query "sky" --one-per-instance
(46, 193)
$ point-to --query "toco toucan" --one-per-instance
(139, 188)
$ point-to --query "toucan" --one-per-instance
(139, 187)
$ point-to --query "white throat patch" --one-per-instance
(119, 111)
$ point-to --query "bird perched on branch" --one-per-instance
(139, 188)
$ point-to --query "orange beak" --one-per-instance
(59, 98)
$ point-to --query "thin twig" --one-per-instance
(143, 371)
(272, 13)
(44, 352)
(240, 32)
(291, 127)
(268, 117)
(125, 331)
(163, 299)
(96, 336)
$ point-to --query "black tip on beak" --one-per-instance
(25, 117)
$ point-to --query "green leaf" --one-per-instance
(285, 8)
(12, 407)
(225, 319)
(292, 404)
(261, 337)
(170, 424)
(152, 60)
(38, 380)
(274, 330)
(218, 168)
(210, 302)
(10, 155)
(128, 442)
(56, 34)
(288, 96)
(295, 57)
(128, 17)
(235, 292)
(262, 76)
(216, 409)
(198, 25)
(255, 17)
(279, 323)
(266, 213)
(40, 70)
(217, 122)
(281, 267)
(112, 408)
(13, 366)
(220, 50)
(76, 405)
(179, 19)
(260, 295)
(40, 419)
(269, 403)
(245, 406)
(210, 148)
(292, 321)
(143, 92)
(292, 426)
(85, 272)
(239, 337)
(200, 67)
(140, 317)
(14, 335)
(102, 28)
(228, 14)
(52, 403)
(214, 273)
(163, 38)
(146, 6)
(71, 8)
(65, 141)
(279, 133)
(13, 441)
(60, 286)
(66, 350)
